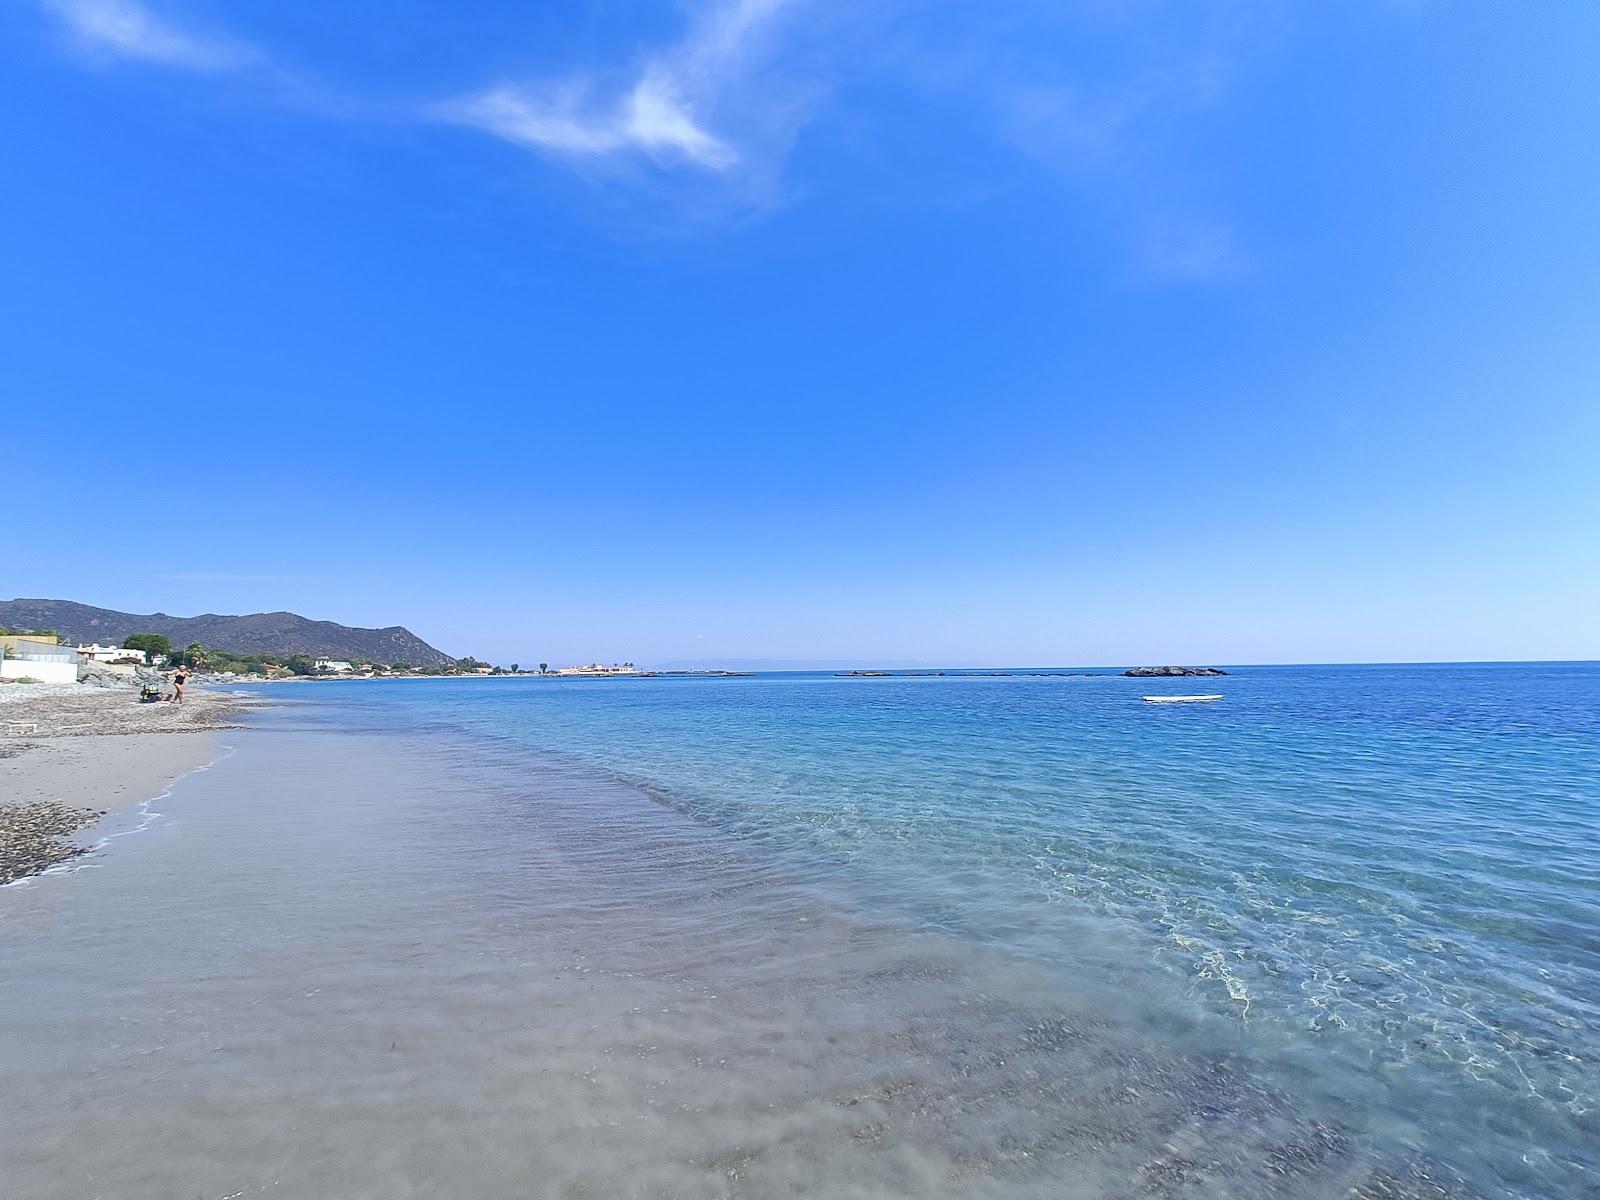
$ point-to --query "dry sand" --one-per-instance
(69, 756)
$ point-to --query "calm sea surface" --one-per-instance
(1385, 879)
(1335, 936)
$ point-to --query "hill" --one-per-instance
(278, 633)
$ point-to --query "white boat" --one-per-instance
(1179, 699)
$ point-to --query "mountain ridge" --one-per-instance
(279, 633)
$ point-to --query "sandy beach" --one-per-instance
(70, 755)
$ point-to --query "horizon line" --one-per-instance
(727, 664)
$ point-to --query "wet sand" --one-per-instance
(70, 757)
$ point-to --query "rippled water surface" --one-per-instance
(1336, 936)
(1387, 879)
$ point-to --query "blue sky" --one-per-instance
(1059, 333)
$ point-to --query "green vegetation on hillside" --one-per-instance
(260, 634)
(277, 666)
(154, 644)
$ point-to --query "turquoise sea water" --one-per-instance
(1378, 887)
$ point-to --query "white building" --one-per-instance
(109, 654)
(334, 666)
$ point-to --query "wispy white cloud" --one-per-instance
(1118, 143)
(566, 120)
(664, 109)
(129, 29)
(717, 111)
(1184, 247)
(233, 577)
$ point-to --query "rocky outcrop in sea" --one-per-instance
(1170, 672)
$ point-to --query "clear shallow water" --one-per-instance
(1381, 885)
(361, 965)
(798, 935)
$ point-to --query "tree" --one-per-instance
(544, 668)
(194, 655)
(398, 667)
(157, 645)
(515, 667)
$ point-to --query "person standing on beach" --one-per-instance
(178, 680)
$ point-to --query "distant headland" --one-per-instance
(276, 635)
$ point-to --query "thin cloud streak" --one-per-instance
(717, 112)
(1113, 144)
(662, 114)
(128, 29)
(235, 577)
(650, 118)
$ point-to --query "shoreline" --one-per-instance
(71, 758)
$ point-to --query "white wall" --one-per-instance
(44, 672)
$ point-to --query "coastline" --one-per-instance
(69, 757)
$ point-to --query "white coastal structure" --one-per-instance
(43, 661)
(110, 654)
(334, 666)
